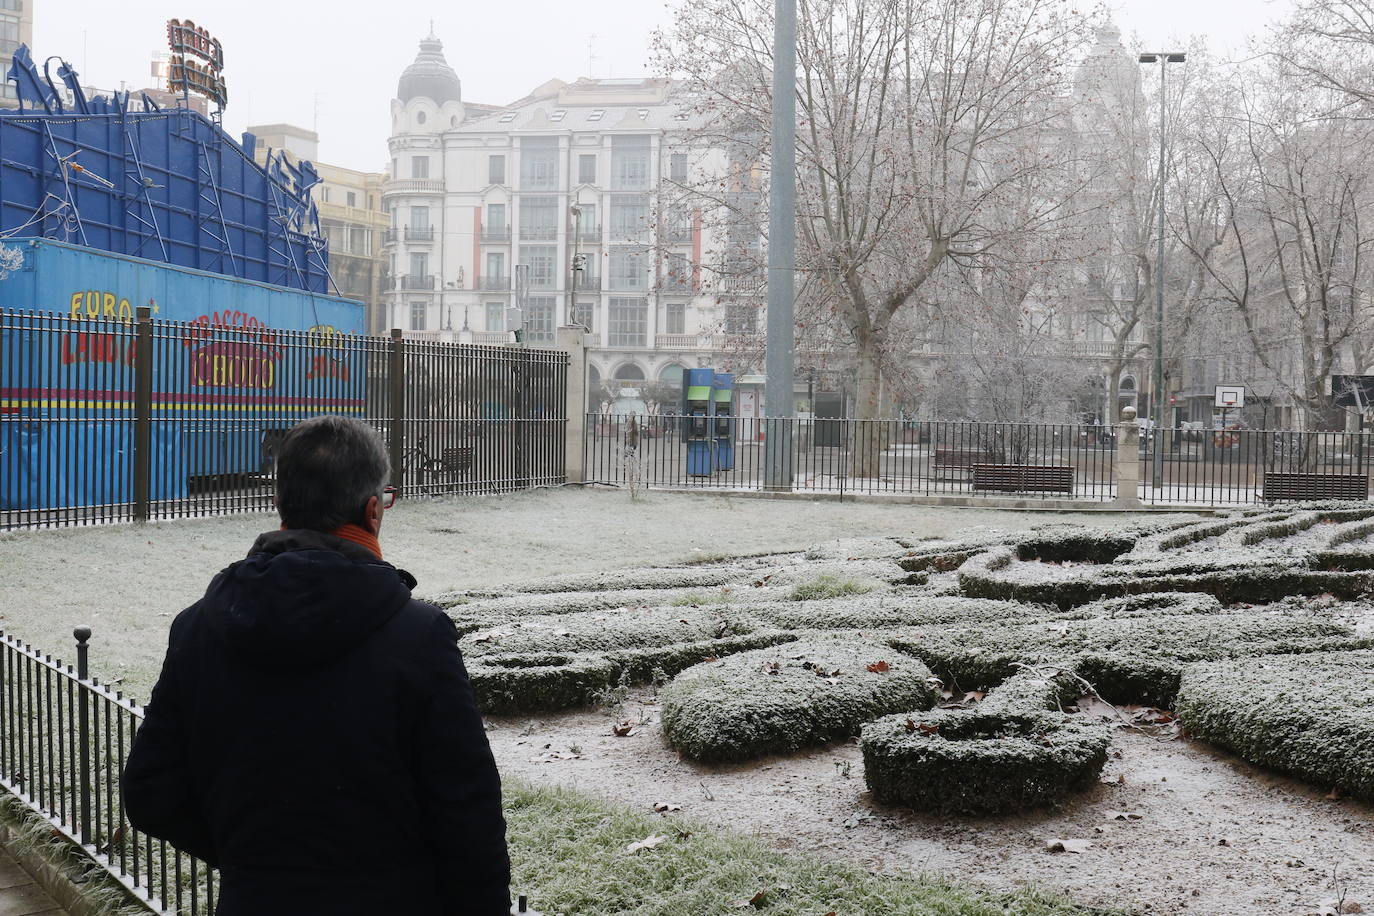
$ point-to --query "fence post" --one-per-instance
(1128, 460)
(143, 413)
(397, 407)
(572, 341)
(83, 728)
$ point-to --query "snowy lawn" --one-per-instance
(127, 582)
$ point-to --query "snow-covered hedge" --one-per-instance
(981, 762)
(1310, 715)
(645, 578)
(1232, 576)
(791, 696)
(873, 612)
(1150, 605)
(1128, 660)
(1082, 545)
(542, 664)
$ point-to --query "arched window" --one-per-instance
(629, 373)
(593, 376)
(419, 117)
(671, 374)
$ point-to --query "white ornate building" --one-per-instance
(490, 207)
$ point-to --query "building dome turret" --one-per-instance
(430, 76)
(1109, 75)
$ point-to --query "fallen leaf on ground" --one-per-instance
(646, 843)
(1334, 794)
(879, 667)
(758, 901)
(662, 807)
(623, 729)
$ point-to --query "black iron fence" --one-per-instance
(63, 740)
(855, 456)
(1022, 460)
(104, 420)
(1240, 466)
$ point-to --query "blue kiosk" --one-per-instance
(723, 400)
(697, 407)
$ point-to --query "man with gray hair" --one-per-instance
(313, 732)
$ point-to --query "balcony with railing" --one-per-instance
(675, 283)
(587, 283)
(681, 342)
(390, 236)
(410, 282)
(588, 233)
(495, 283)
(538, 233)
(495, 234)
(419, 233)
(491, 338)
(675, 234)
(413, 186)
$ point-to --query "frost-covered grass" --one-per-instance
(827, 586)
(127, 581)
(570, 854)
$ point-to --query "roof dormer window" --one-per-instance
(643, 114)
(507, 117)
(558, 115)
(596, 115)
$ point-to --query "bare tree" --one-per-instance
(1298, 214)
(919, 120)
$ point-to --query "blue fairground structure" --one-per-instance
(108, 204)
(723, 401)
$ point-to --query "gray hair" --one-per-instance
(327, 470)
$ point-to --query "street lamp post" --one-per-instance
(780, 360)
(575, 264)
(1163, 58)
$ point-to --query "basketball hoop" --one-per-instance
(1230, 403)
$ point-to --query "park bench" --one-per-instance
(1298, 485)
(954, 463)
(456, 460)
(1023, 478)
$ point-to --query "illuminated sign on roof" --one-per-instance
(189, 41)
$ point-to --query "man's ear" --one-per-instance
(372, 515)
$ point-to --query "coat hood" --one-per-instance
(302, 598)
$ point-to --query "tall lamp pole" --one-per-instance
(780, 361)
(1163, 58)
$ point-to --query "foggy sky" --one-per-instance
(299, 60)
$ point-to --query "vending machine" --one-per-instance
(696, 418)
(723, 399)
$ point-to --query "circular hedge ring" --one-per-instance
(980, 763)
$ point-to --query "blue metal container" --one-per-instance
(697, 406)
(723, 405)
(226, 378)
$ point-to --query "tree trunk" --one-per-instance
(865, 444)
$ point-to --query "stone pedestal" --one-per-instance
(572, 341)
(1128, 461)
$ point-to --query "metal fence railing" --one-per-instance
(975, 459)
(63, 740)
(105, 420)
(1241, 466)
(856, 456)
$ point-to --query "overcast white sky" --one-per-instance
(334, 65)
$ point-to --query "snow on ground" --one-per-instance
(127, 582)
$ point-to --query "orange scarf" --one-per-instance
(360, 536)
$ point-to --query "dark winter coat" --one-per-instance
(313, 733)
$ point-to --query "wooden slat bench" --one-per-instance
(1023, 478)
(456, 460)
(954, 463)
(1299, 485)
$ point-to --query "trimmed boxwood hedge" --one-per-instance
(1128, 660)
(873, 612)
(1151, 605)
(1082, 545)
(638, 628)
(1231, 577)
(981, 761)
(784, 698)
(1311, 716)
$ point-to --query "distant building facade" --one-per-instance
(16, 28)
(351, 218)
(491, 207)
